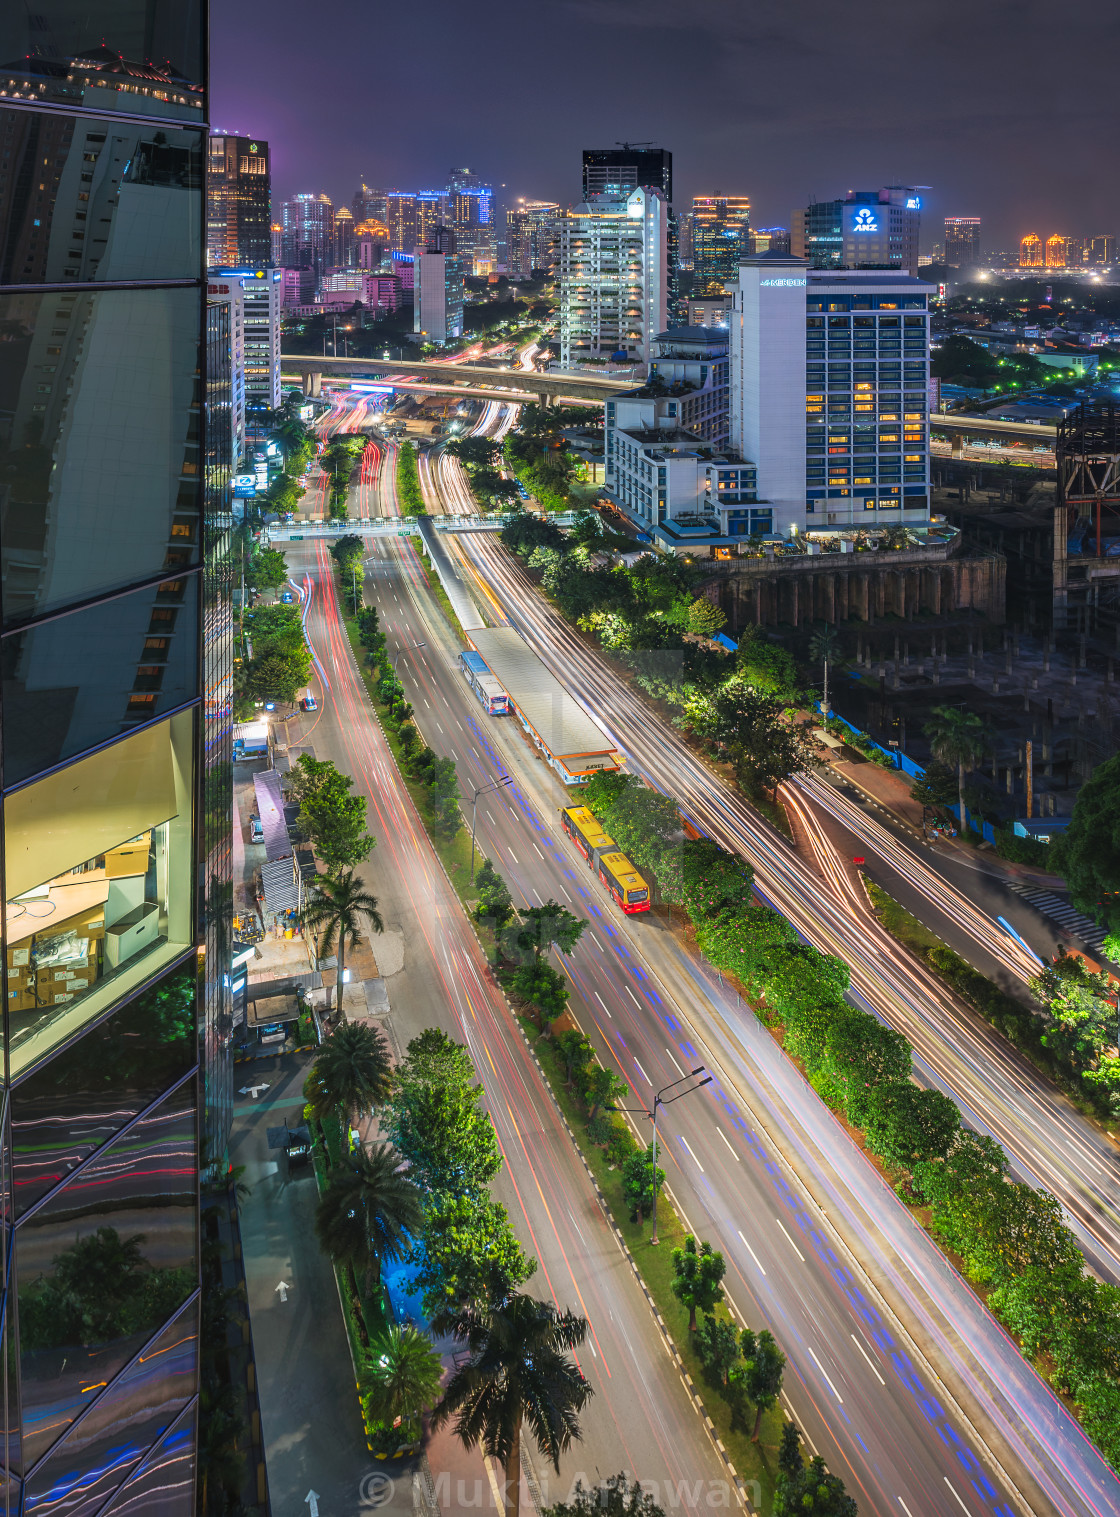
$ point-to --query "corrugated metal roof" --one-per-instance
(562, 726)
(278, 882)
(270, 809)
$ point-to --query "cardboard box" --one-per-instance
(128, 858)
(19, 958)
(21, 1000)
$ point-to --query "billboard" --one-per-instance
(244, 485)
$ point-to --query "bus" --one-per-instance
(478, 674)
(624, 882)
(586, 832)
(600, 850)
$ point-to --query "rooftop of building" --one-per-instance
(695, 336)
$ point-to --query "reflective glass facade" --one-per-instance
(114, 722)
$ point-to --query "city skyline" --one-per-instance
(776, 128)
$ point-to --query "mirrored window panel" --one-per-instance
(76, 1102)
(143, 57)
(89, 199)
(164, 1484)
(100, 1268)
(99, 443)
(98, 872)
(77, 681)
(120, 1427)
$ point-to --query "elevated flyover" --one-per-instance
(958, 428)
(520, 384)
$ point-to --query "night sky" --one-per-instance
(1006, 108)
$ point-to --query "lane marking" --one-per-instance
(699, 1166)
(537, 851)
(905, 1508)
(870, 1366)
(734, 1155)
(676, 1066)
(595, 940)
(753, 1255)
(949, 1483)
(792, 1245)
(643, 1074)
(602, 1003)
(840, 1398)
(632, 996)
(515, 859)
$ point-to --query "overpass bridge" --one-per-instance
(520, 384)
(958, 429)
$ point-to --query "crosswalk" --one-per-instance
(1059, 910)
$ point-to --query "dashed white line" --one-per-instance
(490, 815)
(459, 724)
(426, 701)
(949, 1483)
(830, 1385)
(792, 1245)
(596, 941)
(753, 1255)
(440, 728)
(643, 1074)
(695, 1160)
(734, 1155)
(676, 1066)
(633, 997)
(870, 1365)
(512, 855)
(602, 1003)
(537, 851)
(905, 1508)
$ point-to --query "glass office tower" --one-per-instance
(114, 749)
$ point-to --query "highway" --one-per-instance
(640, 1417)
(653, 1010)
(706, 1022)
(1051, 1144)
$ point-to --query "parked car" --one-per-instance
(256, 831)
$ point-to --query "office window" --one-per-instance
(147, 187)
(101, 1081)
(73, 682)
(98, 874)
(95, 481)
(102, 1266)
(52, 38)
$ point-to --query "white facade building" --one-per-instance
(613, 266)
(829, 393)
(228, 291)
(437, 296)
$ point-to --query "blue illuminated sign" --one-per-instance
(914, 203)
(865, 222)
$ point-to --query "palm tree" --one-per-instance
(957, 737)
(518, 1371)
(335, 909)
(352, 1073)
(370, 1211)
(399, 1379)
(824, 648)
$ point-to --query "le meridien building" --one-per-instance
(238, 201)
(115, 596)
(829, 393)
(613, 264)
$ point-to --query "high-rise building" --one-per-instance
(962, 241)
(228, 292)
(613, 263)
(1057, 251)
(470, 211)
(411, 216)
(628, 166)
(829, 393)
(531, 230)
(343, 243)
(238, 201)
(308, 222)
(257, 299)
(276, 244)
(438, 288)
(817, 234)
(1101, 250)
(880, 228)
(719, 227)
(368, 204)
(768, 239)
(115, 563)
(1031, 252)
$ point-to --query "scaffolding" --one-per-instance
(1087, 453)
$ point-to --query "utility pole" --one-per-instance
(507, 779)
(662, 1098)
(1030, 779)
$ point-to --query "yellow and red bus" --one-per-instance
(586, 832)
(624, 882)
(602, 854)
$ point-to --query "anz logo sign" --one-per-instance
(865, 222)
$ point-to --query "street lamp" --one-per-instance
(661, 1099)
(506, 779)
(404, 648)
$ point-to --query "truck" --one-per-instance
(478, 674)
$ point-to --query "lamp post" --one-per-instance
(659, 1100)
(507, 779)
(405, 648)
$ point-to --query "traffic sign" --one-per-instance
(404, 532)
(296, 537)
